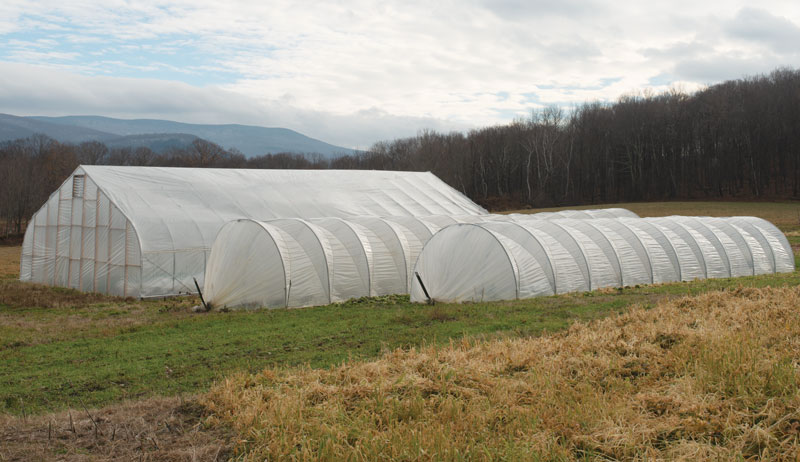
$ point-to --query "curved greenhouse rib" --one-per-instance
(781, 249)
(714, 253)
(251, 275)
(356, 244)
(739, 253)
(574, 249)
(290, 226)
(530, 280)
(604, 244)
(748, 227)
(635, 241)
(423, 231)
(683, 242)
(665, 262)
(396, 242)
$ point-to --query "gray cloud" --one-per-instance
(678, 50)
(575, 49)
(760, 26)
(526, 9)
(712, 69)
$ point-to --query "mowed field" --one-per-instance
(87, 376)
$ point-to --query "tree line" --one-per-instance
(737, 139)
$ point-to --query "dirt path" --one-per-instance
(157, 429)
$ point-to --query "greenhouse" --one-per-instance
(147, 231)
(579, 214)
(500, 260)
(294, 262)
(297, 262)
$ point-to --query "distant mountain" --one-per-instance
(13, 127)
(250, 140)
(161, 142)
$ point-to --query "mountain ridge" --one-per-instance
(250, 140)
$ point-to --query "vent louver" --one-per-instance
(77, 186)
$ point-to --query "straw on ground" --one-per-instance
(707, 377)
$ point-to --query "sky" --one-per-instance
(355, 72)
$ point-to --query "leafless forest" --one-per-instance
(737, 139)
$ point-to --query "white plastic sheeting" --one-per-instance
(295, 262)
(324, 260)
(147, 231)
(613, 212)
(509, 260)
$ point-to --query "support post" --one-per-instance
(424, 290)
(200, 292)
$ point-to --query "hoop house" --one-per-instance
(147, 231)
(613, 212)
(503, 261)
(294, 262)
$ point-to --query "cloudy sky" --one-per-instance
(355, 72)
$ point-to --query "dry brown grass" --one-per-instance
(33, 313)
(713, 377)
(9, 261)
(165, 429)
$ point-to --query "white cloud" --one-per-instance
(356, 72)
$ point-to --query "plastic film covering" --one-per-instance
(689, 255)
(714, 254)
(479, 266)
(79, 239)
(781, 249)
(327, 260)
(146, 231)
(576, 214)
(321, 260)
(533, 261)
(353, 260)
(573, 255)
(635, 266)
(250, 275)
(568, 257)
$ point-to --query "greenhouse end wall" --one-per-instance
(80, 239)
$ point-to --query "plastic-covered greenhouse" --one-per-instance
(580, 214)
(147, 231)
(296, 262)
(500, 260)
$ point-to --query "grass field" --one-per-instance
(62, 349)
(712, 377)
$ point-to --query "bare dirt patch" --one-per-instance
(157, 429)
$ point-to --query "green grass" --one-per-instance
(180, 352)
